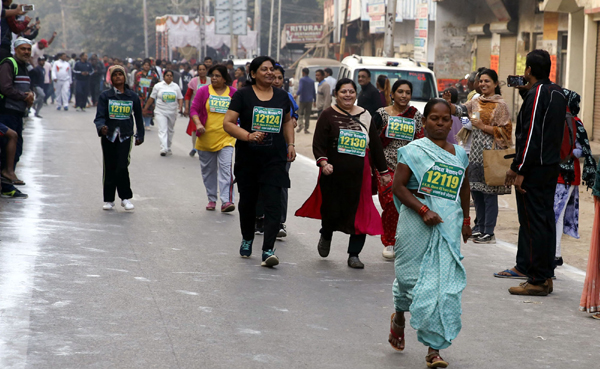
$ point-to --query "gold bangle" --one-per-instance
(292, 144)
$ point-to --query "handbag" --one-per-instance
(497, 162)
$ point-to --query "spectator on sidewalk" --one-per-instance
(37, 85)
(306, 97)
(8, 148)
(369, 97)
(323, 93)
(16, 98)
(37, 50)
(534, 173)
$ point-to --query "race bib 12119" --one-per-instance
(400, 128)
(267, 119)
(443, 181)
(218, 104)
(119, 109)
(352, 142)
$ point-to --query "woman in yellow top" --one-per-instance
(214, 145)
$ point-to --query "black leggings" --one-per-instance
(355, 244)
(271, 200)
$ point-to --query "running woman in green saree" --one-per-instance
(431, 193)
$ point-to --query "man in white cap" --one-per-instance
(15, 98)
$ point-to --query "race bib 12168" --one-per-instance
(400, 128)
(352, 142)
(119, 109)
(443, 181)
(267, 119)
(169, 97)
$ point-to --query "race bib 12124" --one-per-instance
(267, 119)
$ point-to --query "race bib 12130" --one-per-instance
(119, 109)
(400, 128)
(267, 119)
(443, 181)
(352, 142)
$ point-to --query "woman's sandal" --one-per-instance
(596, 316)
(434, 360)
(394, 335)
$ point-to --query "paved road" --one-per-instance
(164, 287)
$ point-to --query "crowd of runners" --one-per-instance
(243, 125)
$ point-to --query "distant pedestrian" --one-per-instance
(534, 173)
(265, 143)
(37, 84)
(383, 85)
(194, 85)
(329, 78)
(306, 97)
(169, 101)
(323, 92)
(344, 136)
(430, 277)
(215, 146)
(369, 97)
(119, 109)
(83, 72)
(566, 197)
(61, 73)
(395, 133)
(590, 297)
(145, 80)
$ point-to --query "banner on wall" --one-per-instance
(421, 25)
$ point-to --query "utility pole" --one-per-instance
(257, 20)
(390, 22)
(64, 26)
(203, 13)
(271, 28)
(145, 30)
(343, 42)
(279, 31)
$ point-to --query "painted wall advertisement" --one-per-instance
(421, 32)
(302, 33)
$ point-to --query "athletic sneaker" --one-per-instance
(169, 152)
(211, 205)
(14, 194)
(246, 248)
(475, 235)
(127, 204)
(388, 252)
(227, 207)
(259, 225)
(108, 205)
(282, 231)
(163, 153)
(269, 259)
(58, 108)
(193, 152)
(485, 238)
(66, 108)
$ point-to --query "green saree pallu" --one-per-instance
(430, 277)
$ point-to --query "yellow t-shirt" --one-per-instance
(215, 138)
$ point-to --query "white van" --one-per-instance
(422, 78)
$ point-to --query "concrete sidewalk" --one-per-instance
(164, 286)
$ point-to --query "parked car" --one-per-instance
(422, 78)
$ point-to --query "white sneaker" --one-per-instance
(388, 252)
(108, 206)
(127, 204)
(169, 152)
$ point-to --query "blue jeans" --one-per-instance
(486, 208)
(147, 121)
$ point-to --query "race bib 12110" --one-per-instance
(443, 181)
(352, 142)
(267, 119)
(218, 104)
(400, 128)
(119, 109)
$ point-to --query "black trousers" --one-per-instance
(82, 91)
(355, 244)
(116, 173)
(537, 231)
(271, 200)
(260, 211)
(95, 89)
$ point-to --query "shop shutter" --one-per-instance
(484, 50)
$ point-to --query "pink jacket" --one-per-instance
(199, 105)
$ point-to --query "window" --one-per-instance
(424, 87)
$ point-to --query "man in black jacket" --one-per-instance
(534, 173)
(369, 97)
